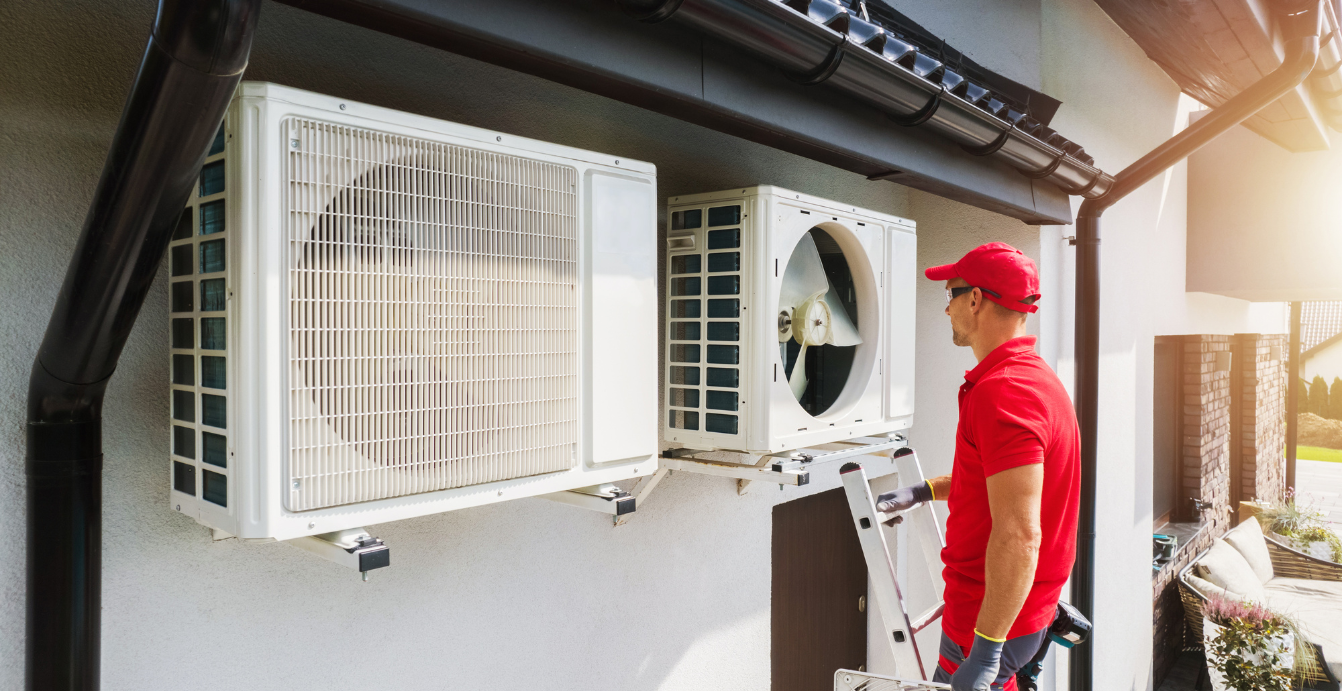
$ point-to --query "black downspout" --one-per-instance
(1293, 394)
(195, 58)
(1300, 27)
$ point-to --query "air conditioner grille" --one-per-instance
(433, 315)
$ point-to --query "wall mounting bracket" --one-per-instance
(604, 498)
(354, 548)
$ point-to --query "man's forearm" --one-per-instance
(1009, 566)
(941, 487)
(1013, 547)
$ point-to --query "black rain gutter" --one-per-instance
(821, 42)
(1300, 26)
(1293, 362)
(194, 60)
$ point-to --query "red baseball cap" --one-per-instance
(1004, 274)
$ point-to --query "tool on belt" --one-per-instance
(1069, 628)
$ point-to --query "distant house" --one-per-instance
(1321, 340)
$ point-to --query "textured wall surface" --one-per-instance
(531, 594)
(526, 594)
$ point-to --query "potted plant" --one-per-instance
(1302, 528)
(1249, 647)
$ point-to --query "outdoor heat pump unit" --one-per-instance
(789, 321)
(377, 315)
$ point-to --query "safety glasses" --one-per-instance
(952, 293)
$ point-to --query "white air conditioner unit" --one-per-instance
(377, 315)
(789, 321)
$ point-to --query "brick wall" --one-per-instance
(1257, 380)
(1206, 454)
(1205, 474)
(1262, 411)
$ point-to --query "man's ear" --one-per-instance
(977, 301)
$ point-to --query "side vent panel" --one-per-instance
(198, 301)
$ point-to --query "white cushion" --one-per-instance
(1317, 607)
(1247, 539)
(1207, 588)
(1224, 566)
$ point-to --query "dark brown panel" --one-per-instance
(819, 577)
(1167, 426)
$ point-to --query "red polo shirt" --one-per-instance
(1013, 411)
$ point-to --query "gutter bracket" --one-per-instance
(921, 115)
(995, 145)
(825, 69)
(657, 14)
(1051, 169)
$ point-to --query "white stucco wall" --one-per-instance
(1281, 239)
(1121, 105)
(529, 593)
(525, 594)
(1326, 363)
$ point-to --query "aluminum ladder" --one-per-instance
(881, 571)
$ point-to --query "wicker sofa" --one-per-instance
(1296, 584)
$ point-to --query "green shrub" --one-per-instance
(1318, 396)
(1335, 399)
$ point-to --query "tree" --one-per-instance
(1318, 396)
(1335, 399)
(1302, 398)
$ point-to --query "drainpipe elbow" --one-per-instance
(213, 37)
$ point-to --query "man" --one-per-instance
(1013, 489)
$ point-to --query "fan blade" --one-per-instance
(804, 276)
(842, 330)
(798, 379)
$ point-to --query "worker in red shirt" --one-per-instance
(1013, 489)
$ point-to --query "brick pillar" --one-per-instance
(1262, 416)
(1206, 456)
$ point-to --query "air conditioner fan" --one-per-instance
(810, 313)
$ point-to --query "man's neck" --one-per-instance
(987, 343)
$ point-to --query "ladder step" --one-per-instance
(928, 617)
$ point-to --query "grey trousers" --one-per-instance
(1015, 654)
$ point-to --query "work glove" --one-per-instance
(979, 670)
(904, 498)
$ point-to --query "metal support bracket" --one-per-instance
(606, 498)
(790, 476)
(640, 491)
(354, 548)
(784, 468)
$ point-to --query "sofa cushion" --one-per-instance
(1223, 565)
(1248, 540)
(1207, 588)
(1317, 607)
